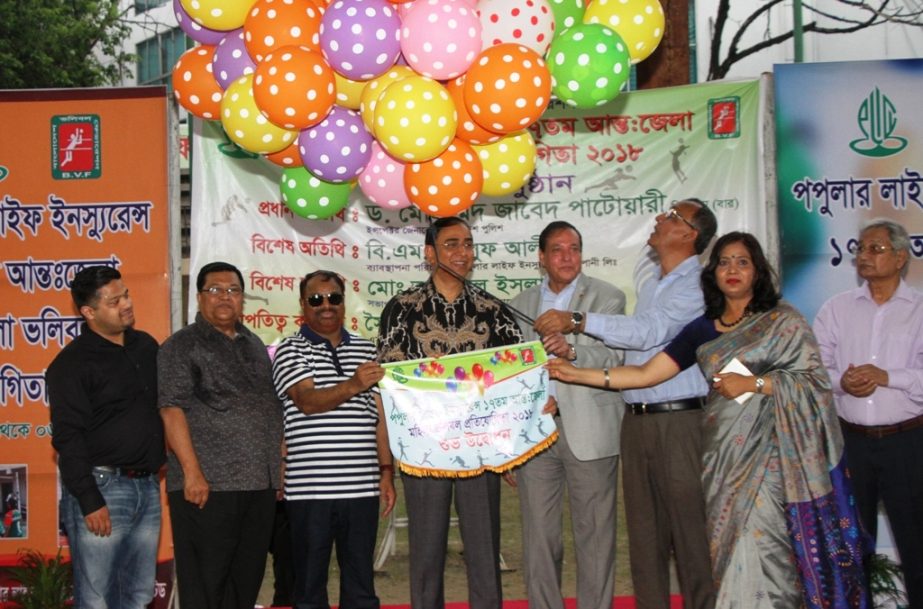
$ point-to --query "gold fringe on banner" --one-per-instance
(425, 472)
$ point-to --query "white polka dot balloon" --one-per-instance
(526, 22)
(338, 148)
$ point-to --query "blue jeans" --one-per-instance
(116, 572)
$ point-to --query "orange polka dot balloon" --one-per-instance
(448, 184)
(468, 129)
(294, 87)
(271, 24)
(245, 124)
(507, 88)
(194, 83)
(287, 157)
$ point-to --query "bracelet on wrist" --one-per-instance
(606, 375)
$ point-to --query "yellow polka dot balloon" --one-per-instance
(294, 87)
(508, 164)
(415, 119)
(246, 125)
(218, 14)
(640, 23)
(349, 92)
(373, 90)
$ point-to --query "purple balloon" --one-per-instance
(338, 148)
(197, 32)
(231, 59)
(360, 38)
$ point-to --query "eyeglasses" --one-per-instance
(217, 291)
(334, 298)
(872, 248)
(453, 245)
(674, 215)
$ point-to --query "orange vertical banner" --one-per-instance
(84, 180)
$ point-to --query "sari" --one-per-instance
(782, 524)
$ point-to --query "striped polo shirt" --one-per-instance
(330, 455)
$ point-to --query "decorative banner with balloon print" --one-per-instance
(459, 415)
(328, 90)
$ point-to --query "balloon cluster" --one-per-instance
(422, 102)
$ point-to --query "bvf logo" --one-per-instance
(724, 118)
(75, 147)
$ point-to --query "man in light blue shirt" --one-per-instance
(661, 438)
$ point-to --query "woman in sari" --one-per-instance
(782, 528)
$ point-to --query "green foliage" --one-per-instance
(61, 43)
(884, 574)
(48, 581)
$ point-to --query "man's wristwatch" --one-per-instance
(576, 318)
(572, 353)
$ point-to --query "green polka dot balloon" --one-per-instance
(310, 197)
(589, 64)
(567, 13)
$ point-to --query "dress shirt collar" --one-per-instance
(209, 331)
(98, 341)
(316, 339)
(903, 292)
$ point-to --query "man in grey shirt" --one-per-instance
(223, 423)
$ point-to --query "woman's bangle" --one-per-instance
(386, 467)
(606, 374)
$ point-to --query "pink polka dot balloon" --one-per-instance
(231, 60)
(440, 38)
(361, 38)
(526, 22)
(338, 148)
(196, 31)
(382, 180)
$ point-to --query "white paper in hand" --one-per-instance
(736, 366)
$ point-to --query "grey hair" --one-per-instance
(897, 234)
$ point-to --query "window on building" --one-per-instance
(146, 5)
(157, 56)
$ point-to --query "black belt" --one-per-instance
(123, 471)
(658, 407)
(880, 431)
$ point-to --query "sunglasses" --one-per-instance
(334, 298)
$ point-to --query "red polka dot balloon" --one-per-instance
(507, 88)
(530, 23)
(448, 184)
(194, 83)
(294, 87)
(271, 24)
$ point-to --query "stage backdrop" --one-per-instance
(609, 171)
(83, 180)
(850, 148)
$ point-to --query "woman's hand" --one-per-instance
(731, 384)
(561, 370)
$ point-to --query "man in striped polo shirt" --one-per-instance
(338, 465)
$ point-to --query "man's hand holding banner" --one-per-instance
(459, 415)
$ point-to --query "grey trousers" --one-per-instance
(477, 503)
(665, 507)
(591, 488)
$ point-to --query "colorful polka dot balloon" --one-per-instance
(526, 22)
(349, 92)
(448, 184)
(567, 13)
(196, 31)
(245, 124)
(468, 129)
(218, 14)
(194, 84)
(382, 180)
(287, 157)
(294, 87)
(507, 88)
(373, 90)
(231, 60)
(440, 38)
(310, 197)
(361, 38)
(508, 164)
(338, 148)
(589, 65)
(415, 119)
(272, 24)
(640, 23)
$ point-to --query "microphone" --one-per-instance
(516, 312)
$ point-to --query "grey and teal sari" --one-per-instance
(782, 523)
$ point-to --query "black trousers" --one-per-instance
(220, 550)
(319, 524)
(281, 549)
(890, 469)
